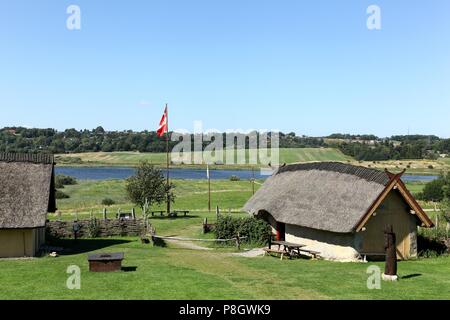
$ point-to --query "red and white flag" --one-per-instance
(163, 128)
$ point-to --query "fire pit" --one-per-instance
(105, 262)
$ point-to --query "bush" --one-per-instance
(257, 231)
(108, 202)
(433, 191)
(431, 247)
(93, 229)
(69, 160)
(61, 195)
(62, 180)
(234, 178)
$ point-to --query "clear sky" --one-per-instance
(311, 67)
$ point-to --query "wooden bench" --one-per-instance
(314, 254)
(185, 212)
(161, 212)
(282, 253)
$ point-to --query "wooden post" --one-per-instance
(205, 225)
(447, 227)
(133, 213)
(436, 227)
(217, 212)
(238, 242)
(104, 214)
(390, 271)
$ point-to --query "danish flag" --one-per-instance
(163, 128)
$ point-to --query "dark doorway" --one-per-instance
(281, 231)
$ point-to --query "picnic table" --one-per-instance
(290, 249)
(172, 214)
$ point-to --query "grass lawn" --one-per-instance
(174, 272)
(190, 195)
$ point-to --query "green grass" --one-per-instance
(133, 158)
(190, 194)
(173, 272)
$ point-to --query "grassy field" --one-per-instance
(133, 158)
(190, 194)
(174, 272)
(177, 272)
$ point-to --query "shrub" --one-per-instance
(62, 180)
(61, 195)
(430, 166)
(431, 247)
(234, 178)
(69, 160)
(93, 228)
(257, 231)
(108, 202)
(433, 191)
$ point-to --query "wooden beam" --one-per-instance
(414, 204)
(392, 182)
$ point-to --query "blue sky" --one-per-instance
(311, 67)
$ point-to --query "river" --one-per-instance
(107, 173)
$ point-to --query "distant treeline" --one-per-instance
(396, 148)
(361, 147)
(77, 141)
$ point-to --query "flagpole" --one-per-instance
(253, 180)
(168, 160)
(209, 189)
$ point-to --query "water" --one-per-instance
(106, 173)
(411, 178)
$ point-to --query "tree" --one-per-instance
(148, 184)
(434, 190)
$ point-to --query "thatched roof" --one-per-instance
(26, 190)
(327, 196)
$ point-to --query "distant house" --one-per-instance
(26, 196)
(339, 210)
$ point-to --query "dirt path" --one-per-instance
(187, 245)
(253, 253)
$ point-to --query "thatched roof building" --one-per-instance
(26, 196)
(332, 203)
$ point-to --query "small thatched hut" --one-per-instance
(26, 196)
(339, 210)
